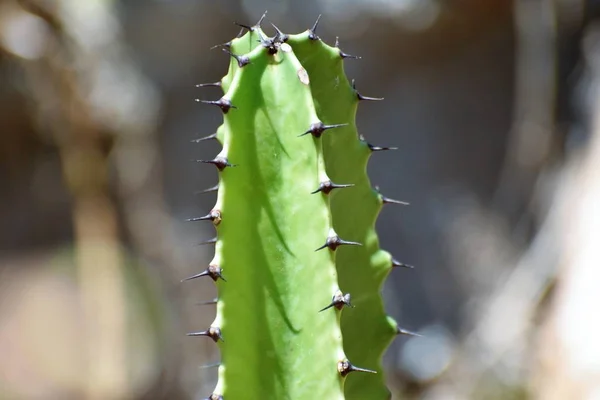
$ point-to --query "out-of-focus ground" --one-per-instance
(494, 106)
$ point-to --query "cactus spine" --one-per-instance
(289, 139)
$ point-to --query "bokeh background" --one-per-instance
(495, 108)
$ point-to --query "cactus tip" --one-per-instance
(214, 396)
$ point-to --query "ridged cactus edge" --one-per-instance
(297, 261)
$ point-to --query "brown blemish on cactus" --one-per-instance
(338, 301)
(316, 129)
(223, 103)
(333, 242)
(219, 161)
(345, 367)
(327, 186)
(214, 216)
(214, 271)
(213, 332)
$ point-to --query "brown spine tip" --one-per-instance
(339, 300)
(361, 97)
(327, 186)
(202, 139)
(333, 242)
(223, 103)
(318, 128)
(312, 32)
(214, 271)
(214, 216)
(345, 367)
(220, 162)
(398, 264)
(213, 332)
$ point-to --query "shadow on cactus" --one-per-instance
(295, 219)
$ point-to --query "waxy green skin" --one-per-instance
(277, 345)
(367, 331)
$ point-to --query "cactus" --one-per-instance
(285, 324)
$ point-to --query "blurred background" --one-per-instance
(495, 108)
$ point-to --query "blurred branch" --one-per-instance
(568, 348)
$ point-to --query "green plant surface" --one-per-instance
(367, 330)
(289, 138)
(275, 342)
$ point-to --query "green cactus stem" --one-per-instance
(292, 190)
